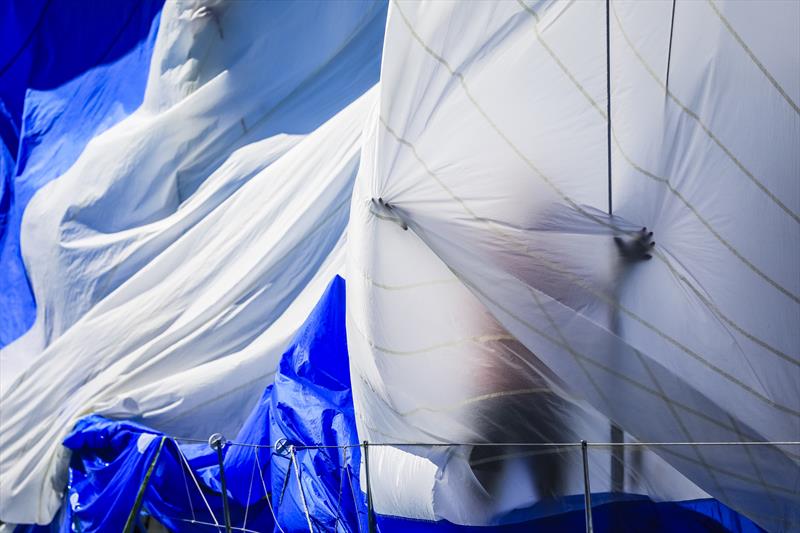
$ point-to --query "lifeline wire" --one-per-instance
(543, 444)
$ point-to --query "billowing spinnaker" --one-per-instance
(173, 262)
(490, 145)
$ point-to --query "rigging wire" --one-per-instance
(543, 444)
(201, 523)
(197, 484)
(669, 53)
(186, 484)
(608, 101)
(267, 495)
(250, 489)
(300, 487)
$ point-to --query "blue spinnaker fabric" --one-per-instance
(309, 403)
(312, 404)
(68, 71)
(639, 515)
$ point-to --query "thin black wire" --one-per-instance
(669, 53)
(531, 444)
(608, 101)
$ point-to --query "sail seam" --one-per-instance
(402, 287)
(753, 57)
(563, 195)
(581, 282)
(702, 124)
(582, 357)
(477, 399)
(617, 143)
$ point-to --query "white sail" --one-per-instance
(491, 145)
(174, 261)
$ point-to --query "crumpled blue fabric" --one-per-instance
(68, 71)
(309, 404)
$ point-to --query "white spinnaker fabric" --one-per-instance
(175, 259)
(490, 145)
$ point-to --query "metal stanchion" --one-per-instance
(587, 491)
(217, 442)
(370, 512)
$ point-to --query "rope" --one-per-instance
(201, 523)
(544, 444)
(268, 496)
(188, 495)
(197, 484)
(250, 489)
(300, 486)
(355, 500)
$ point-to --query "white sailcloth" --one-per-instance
(175, 259)
(490, 145)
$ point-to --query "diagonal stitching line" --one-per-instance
(653, 176)
(494, 126)
(662, 394)
(688, 409)
(354, 326)
(610, 301)
(602, 113)
(477, 399)
(611, 371)
(460, 77)
(670, 403)
(716, 234)
(478, 339)
(726, 472)
(682, 425)
(400, 287)
(753, 57)
(702, 125)
(784, 520)
(600, 392)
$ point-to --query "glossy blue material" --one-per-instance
(629, 515)
(68, 71)
(309, 403)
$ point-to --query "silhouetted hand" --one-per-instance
(636, 248)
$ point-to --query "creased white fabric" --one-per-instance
(490, 145)
(175, 259)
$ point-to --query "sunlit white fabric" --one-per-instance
(490, 145)
(176, 258)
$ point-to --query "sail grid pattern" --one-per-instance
(175, 259)
(559, 222)
(494, 158)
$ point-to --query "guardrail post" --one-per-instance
(587, 491)
(370, 511)
(217, 442)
